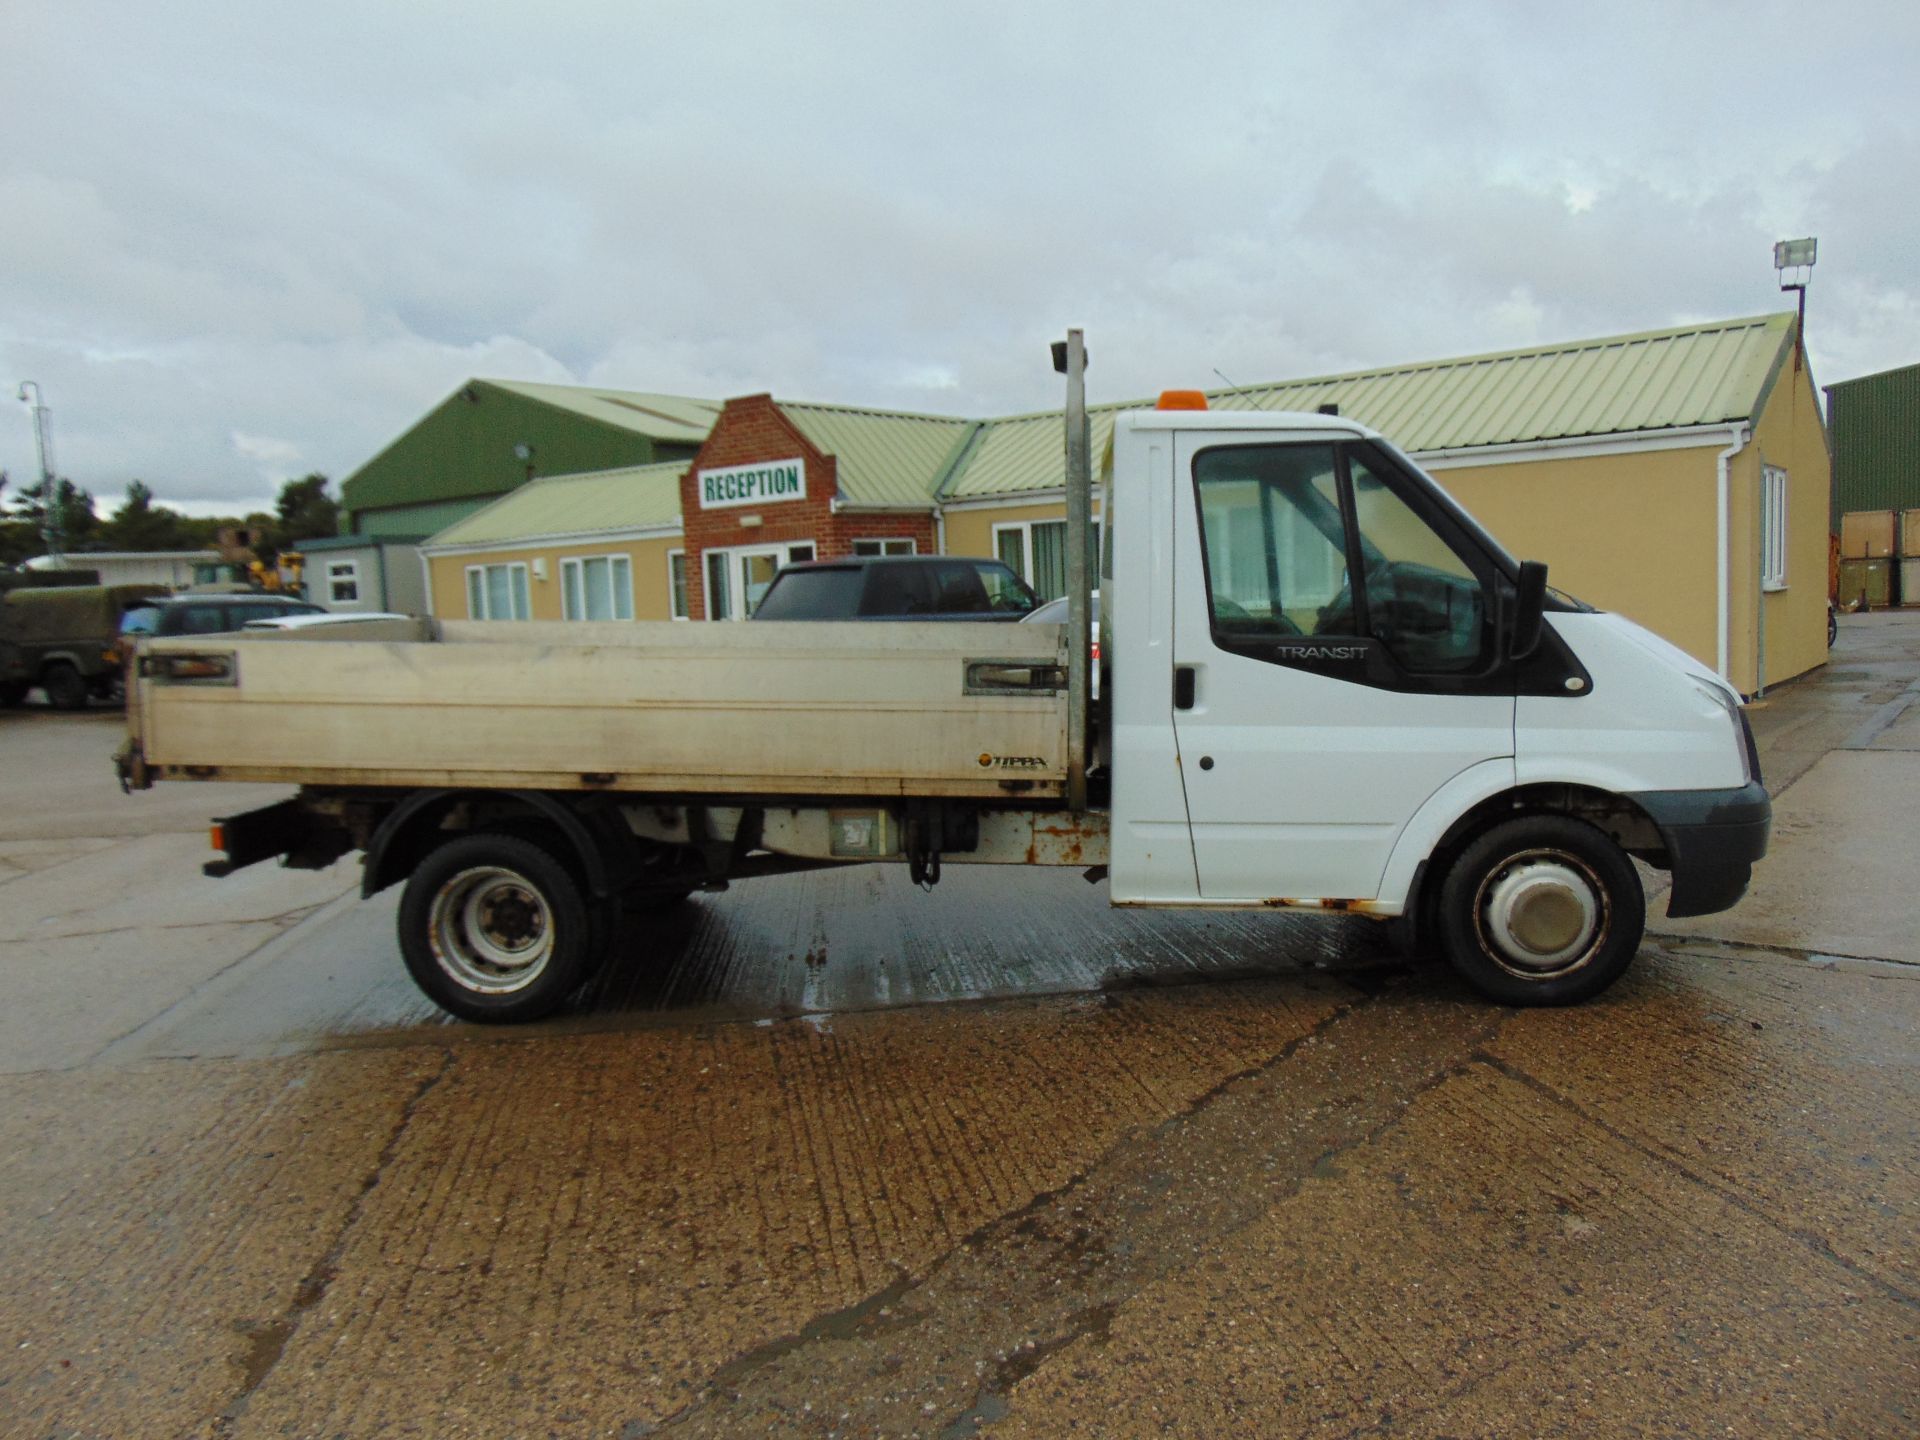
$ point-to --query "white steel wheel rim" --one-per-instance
(1541, 914)
(491, 930)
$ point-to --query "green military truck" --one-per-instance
(62, 638)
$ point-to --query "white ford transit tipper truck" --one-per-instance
(1324, 688)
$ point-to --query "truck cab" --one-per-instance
(1371, 707)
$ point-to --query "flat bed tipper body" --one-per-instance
(1323, 688)
(828, 708)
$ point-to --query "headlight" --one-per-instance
(1742, 731)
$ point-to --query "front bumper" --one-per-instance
(1712, 839)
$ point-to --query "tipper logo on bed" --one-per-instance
(1012, 762)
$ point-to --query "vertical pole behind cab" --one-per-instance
(1079, 529)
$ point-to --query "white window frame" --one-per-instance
(679, 597)
(1773, 528)
(1025, 527)
(341, 572)
(886, 545)
(525, 588)
(573, 581)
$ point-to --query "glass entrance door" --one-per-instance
(738, 577)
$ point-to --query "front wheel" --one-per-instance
(494, 929)
(1544, 910)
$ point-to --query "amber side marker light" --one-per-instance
(1182, 400)
(218, 834)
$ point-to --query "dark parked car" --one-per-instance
(897, 587)
(217, 614)
(206, 615)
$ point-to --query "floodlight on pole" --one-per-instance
(50, 518)
(1797, 256)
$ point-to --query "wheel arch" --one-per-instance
(600, 846)
(1457, 815)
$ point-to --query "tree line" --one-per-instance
(305, 510)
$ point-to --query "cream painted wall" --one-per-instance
(1628, 533)
(651, 600)
(1789, 435)
(970, 532)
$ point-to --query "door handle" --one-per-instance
(1183, 687)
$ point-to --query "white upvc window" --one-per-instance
(498, 592)
(1773, 528)
(1036, 551)
(895, 545)
(343, 582)
(677, 604)
(597, 587)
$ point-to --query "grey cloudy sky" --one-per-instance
(241, 242)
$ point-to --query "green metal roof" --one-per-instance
(1701, 374)
(885, 457)
(1027, 452)
(1692, 375)
(1662, 379)
(679, 419)
(638, 497)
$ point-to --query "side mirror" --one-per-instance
(1529, 610)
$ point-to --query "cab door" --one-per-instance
(1336, 661)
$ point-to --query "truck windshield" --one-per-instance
(831, 594)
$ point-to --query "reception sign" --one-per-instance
(766, 483)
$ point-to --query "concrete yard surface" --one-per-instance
(827, 1156)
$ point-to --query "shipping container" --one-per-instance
(1910, 582)
(1866, 535)
(1865, 584)
(1910, 534)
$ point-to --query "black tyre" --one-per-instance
(12, 693)
(495, 929)
(1543, 910)
(66, 689)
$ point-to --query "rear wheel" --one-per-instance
(1543, 910)
(65, 688)
(12, 692)
(494, 929)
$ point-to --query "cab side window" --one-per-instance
(1275, 539)
(1287, 530)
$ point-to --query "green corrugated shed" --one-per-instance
(400, 522)
(1658, 380)
(464, 450)
(639, 497)
(1875, 425)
